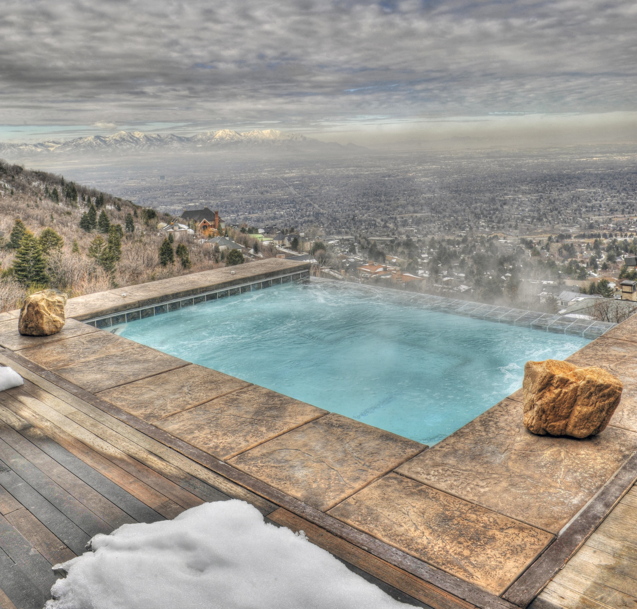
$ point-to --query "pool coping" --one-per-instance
(521, 591)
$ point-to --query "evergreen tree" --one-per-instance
(50, 240)
(129, 224)
(171, 238)
(85, 223)
(255, 247)
(234, 257)
(55, 195)
(17, 232)
(70, 192)
(115, 241)
(99, 200)
(148, 215)
(29, 266)
(295, 244)
(76, 248)
(92, 216)
(166, 253)
(103, 223)
(96, 247)
(183, 255)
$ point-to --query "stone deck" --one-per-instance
(467, 518)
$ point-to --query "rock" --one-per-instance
(42, 314)
(561, 399)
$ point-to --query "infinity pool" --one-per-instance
(372, 354)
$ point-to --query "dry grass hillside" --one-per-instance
(31, 197)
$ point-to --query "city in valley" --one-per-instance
(537, 229)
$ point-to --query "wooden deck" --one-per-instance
(69, 471)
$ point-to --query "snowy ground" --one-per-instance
(216, 556)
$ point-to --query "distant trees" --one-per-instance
(129, 224)
(166, 253)
(234, 257)
(70, 192)
(295, 244)
(148, 215)
(88, 221)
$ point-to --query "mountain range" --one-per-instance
(124, 141)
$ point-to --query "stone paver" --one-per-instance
(541, 480)
(10, 338)
(239, 421)
(326, 460)
(171, 392)
(464, 539)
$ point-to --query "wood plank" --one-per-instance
(407, 583)
(598, 566)
(420, 569)
(531, 582)
(625, 549)
(29, 560)
(47, 544)
(7, 503)
(129, 504)
(598, 589)
(151, 479)
(567, 599)
(99, 505)
(12, 420)
(134, 486)
(54, 520)
(41, 388)
(18, 587)
(53, 493)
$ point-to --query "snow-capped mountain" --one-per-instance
(137, 141)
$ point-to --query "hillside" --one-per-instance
(82, 261)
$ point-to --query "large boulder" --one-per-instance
(561, 399)
(42, 314)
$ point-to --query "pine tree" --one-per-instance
(166, 253)
(29, 266)
(129, 224)
(183, 255)
(76, 248)
(171, 238)
(70, 192)
(55, 195)
(17, 232)
(92, 216)
(103, 223)
(96, 247)
(99, 200)
(115, 242)
(85, 222)
(50, 240)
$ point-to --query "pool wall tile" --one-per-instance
(133, 316)
(103, 323)
(174, 306)
(198, 299)
(212, 296)
(149, 312)
(187, 302)
(119, 319)
(159, 309)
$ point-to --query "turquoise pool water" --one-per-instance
(372, 354)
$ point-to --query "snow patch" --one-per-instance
(9, 378)
(215, 556)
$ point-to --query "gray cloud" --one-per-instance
(308, 62)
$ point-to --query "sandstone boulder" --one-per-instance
(42, 314)
(561, 399)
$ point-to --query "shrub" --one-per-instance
(183, 255)
(234, 257)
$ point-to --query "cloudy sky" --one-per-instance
(70, 67)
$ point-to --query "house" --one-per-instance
(225, 244)
(628, 290)
(630, 260)
(207, 221)
(176, 228)
(567, 297)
